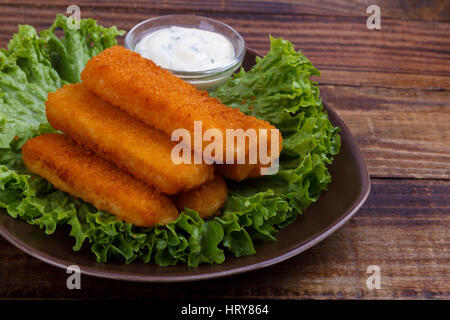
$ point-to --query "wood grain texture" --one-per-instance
(396, 104)
(391, 86)
(402, 228)
(435, 10)
(402, 132)
(404, 54)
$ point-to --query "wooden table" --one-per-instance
(391, 86)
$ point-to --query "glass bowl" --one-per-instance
(205, 79)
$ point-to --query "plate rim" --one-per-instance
(301, 247)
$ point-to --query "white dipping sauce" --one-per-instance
(186, 49)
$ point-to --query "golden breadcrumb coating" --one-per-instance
(114, 135)
(164, 101)
(206, 199)
(79, 172)
(236, 172)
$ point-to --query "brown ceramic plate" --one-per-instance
(345, 195)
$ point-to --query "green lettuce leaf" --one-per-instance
(277, 89)
(70, 53)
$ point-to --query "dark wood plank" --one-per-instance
(435, 10)
(402, 132)
(403, 228)
(392, 89)
(404, 54)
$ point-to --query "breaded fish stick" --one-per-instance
(237, 172)
(206, 199)
(79, 172)
(114, 135)
(164, 101)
